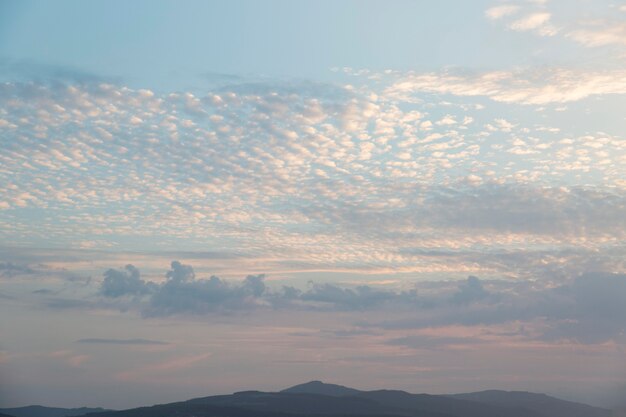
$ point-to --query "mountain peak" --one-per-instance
(322, 388)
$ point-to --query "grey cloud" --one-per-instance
(6, 297)
(9, 269)
(588, 309)
(361, 297)
(180, 273)
(573, 211)
(470, 291)
(99, 341)
(68, 304)
(431, 342)
(44, 291)
(127, 282)
(542, 211)
(183, 293)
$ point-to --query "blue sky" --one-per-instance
(233, 195)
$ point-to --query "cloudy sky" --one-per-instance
(207, 197)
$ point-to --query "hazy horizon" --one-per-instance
(211, 196)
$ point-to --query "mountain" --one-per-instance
(317, 399)
(417, 404)
(296, 401)
(541, 403)
(41, 411)
(5, 415)
(619, 412)
(318, 387)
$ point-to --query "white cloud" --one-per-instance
(556, 85)
(537, 22)
(498, 12)
(298, 178)
(601, 35)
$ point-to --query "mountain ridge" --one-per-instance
(319, 399)
(43, 411)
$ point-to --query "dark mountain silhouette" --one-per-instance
(5, 415)
(316, 399)
(41, 411)
(295, 403)
(420, 403)
(619, 412)
(541, 403)
(318, 387)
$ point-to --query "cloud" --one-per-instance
(68, 304)
(272, 176)
(183, 294)
(601, 30)
(163, 367)
(588, 308)
(213, 295)
(498, 12)
(527, 87)
(128, 282)
(604, 34)
(180, 273)
(30, 71)
(9, 269)
(429, 342)
(362, 297)
(470, 291)
(536, 22)
(100, 341)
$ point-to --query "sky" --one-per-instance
(205, 197)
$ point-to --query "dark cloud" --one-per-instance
(470, 291)
(68, 304)
(127, 282)
(182, 293)
(588, 309)
(9, 269)
(98, 341)
(43, 291)
(362, 297)
(180, 273)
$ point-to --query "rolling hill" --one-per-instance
(317, 399)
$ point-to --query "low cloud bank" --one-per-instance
(588, 309)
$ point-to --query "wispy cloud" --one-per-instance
(164, 367)
(530, 87)
(101, 341)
